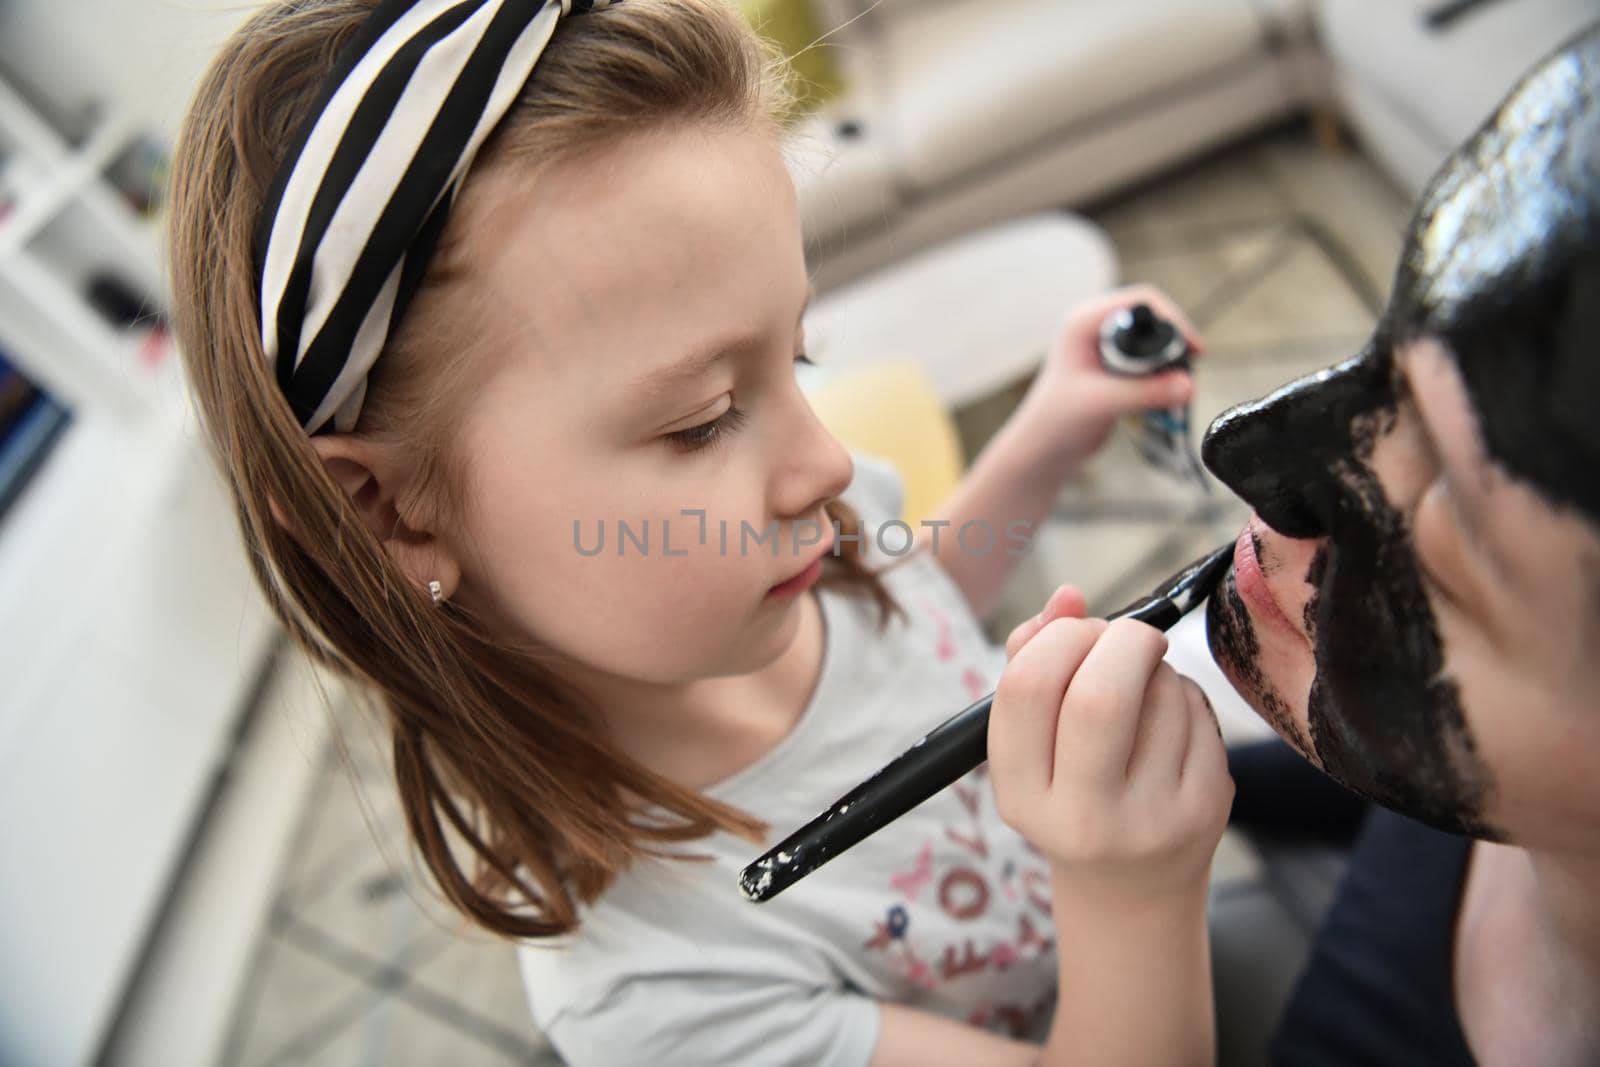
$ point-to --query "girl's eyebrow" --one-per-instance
(662, 381)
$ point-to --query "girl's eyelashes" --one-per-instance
(699, 438)
(704, 436)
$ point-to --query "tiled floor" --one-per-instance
(360, 963)
(1281, 254)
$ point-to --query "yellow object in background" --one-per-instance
(794, 27)
(891, 410)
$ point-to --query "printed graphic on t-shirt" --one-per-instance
(965, 908)
(944, 650)
(975, 901)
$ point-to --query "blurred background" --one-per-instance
(201, 860)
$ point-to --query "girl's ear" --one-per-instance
(374, 482)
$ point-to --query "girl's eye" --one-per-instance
(697, 438)
(707, 434)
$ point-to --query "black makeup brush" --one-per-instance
(942, 756)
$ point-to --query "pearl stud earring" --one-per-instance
(436, 591)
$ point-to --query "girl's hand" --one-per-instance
(1077, 400)
(1106, 759)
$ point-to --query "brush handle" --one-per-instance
(946, 753)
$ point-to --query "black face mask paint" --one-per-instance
(1233, 640)
(1503, 265)
(1382, 720)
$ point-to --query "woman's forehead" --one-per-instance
(1506, 199)
(1502, 264)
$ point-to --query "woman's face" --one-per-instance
(1416, 604)
(1432, 645)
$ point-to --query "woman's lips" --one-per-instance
(1252, 583)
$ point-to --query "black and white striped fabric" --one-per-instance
(356, 210)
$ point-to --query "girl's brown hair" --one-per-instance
(520, 807)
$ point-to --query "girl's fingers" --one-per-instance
(1164, 727)
(1202, 706)
(1027, 705)
(1207, 751)
(1205, 764)
(1100, 718)
(1167, 390)
(1065, 603)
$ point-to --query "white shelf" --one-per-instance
(58, 339)
(65, 224)
(31, 135)
(57, 186)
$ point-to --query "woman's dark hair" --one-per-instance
(1503, 264)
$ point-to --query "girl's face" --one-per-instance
(1412, 618)
(644, 306)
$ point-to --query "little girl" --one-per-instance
(490, 308)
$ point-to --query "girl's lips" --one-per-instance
(1252, 583)
(801, 581)
(805, 578)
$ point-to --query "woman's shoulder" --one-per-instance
(1378, 987)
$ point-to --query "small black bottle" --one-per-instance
(1135, 341)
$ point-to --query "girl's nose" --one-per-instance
(819, 465)
(835, 469)
(1278, 453)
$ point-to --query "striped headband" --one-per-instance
(357, 207)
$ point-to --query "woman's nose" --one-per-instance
(1279, 453)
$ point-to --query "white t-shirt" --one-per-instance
(946, 909)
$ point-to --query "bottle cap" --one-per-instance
(1135, 340)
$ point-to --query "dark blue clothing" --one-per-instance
(1378, 987)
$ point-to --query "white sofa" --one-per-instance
(959, 113)
(1411, 94)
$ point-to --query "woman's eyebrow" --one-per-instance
(663, 381)
(1460, 475)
